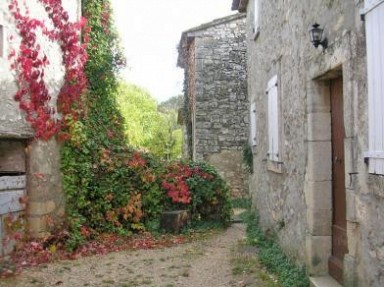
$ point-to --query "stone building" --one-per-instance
(213, 57)
(318, 152)
(29, 168)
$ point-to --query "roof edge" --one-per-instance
(188, 35)
(216, 22)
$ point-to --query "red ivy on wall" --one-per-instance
(31, 61)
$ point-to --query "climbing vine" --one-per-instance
(109, 186)
(30, 62)
(102, 175)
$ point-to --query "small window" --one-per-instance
(256, 23)
(252, 125)
(273, 120)
(2, 41)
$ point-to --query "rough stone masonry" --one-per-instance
(213, 57)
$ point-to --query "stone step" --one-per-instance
(324, 281)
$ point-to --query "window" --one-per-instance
(253, 125)
(375, 66)
(273, 120)
(256, 24)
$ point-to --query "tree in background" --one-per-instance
(173, 138)
(148, 126)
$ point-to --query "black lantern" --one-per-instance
(316, 34)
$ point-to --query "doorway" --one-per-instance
(339, 223)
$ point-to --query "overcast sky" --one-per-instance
(150, 31)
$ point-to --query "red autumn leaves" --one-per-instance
(31, 62)
(176, 182)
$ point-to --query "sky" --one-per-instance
(150, 31)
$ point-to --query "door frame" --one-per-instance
(318, 180)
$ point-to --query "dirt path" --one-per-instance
(206, 263)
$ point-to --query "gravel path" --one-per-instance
(205, 263)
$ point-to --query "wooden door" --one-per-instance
(339, 223)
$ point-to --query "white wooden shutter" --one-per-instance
(374, 24)
(256, 15)
(252, 125)
(273, 120)
(371, 4)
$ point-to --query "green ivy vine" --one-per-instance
(93, 157)
(109, 186)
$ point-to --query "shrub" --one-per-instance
(198, 187)
(109, 186)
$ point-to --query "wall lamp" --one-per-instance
(317, 38)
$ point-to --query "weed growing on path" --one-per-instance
(272, 257)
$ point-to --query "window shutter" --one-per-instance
(256, 16)
(370, 4)
(253, 124)
(375, 64)
(273, 120)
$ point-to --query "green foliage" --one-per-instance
(244, 203)
(272, 256)
(210, 195)
(174, 103)
(139, 110)
(248, 157)
(93, 159)
(148, 126)
(168, 143)
(173, 135)
(198, 187)
(110, 186)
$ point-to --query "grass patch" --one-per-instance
(244, 266)
(241, 203)
(272, 257)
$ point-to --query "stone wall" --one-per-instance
(217, 89)
(295, 199)
(41, 160)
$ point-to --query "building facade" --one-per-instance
(213, 57)
(30, 181)
(317, 133)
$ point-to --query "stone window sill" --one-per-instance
(275, 166)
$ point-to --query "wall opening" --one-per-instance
(319, 176)
(12, 189)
